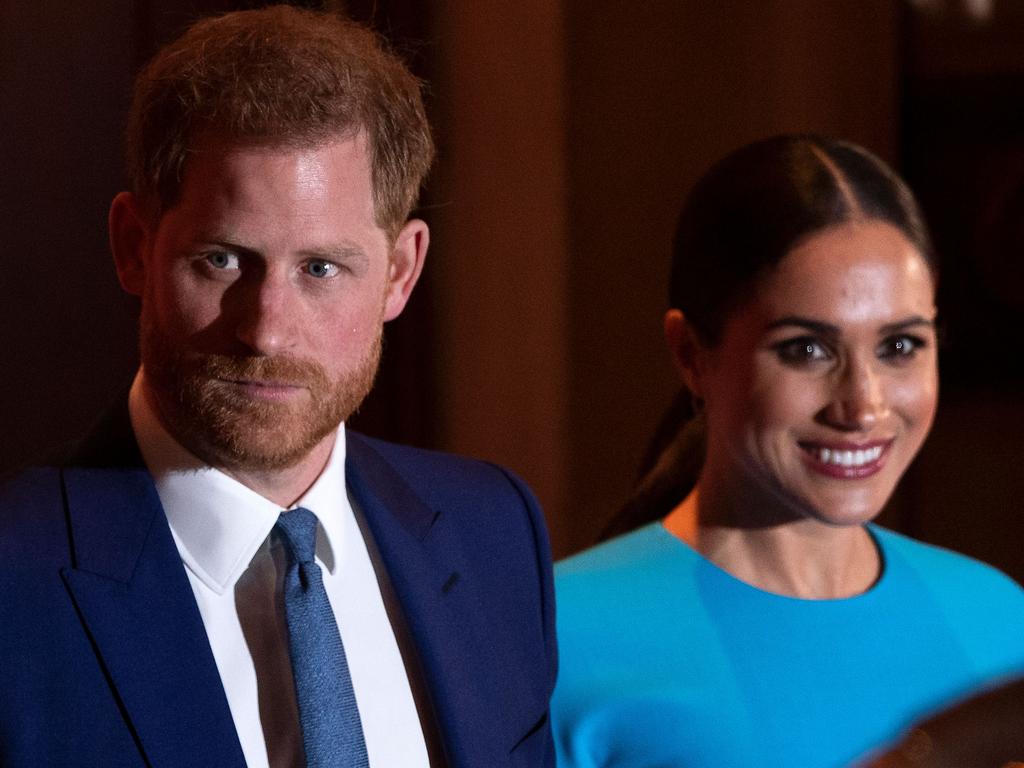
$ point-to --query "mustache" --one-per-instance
(289, 371)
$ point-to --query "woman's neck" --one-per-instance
(797, 557)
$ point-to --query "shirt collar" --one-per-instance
(218, 523)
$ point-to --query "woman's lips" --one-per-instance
(846, 461)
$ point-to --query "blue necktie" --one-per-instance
(331, 732)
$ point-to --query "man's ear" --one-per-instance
(129, 241)
(686, 350)
(407, 257)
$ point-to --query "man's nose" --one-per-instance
(265, 314)
(859, 400)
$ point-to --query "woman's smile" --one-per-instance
(824, 383)
(846, 461)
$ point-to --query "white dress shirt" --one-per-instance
(236, 570)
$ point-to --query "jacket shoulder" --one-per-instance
(33, 525)
(440, 477)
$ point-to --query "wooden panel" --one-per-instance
(499, 255)
(66, 333)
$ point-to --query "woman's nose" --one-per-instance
(859, 400)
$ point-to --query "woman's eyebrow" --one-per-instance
(825, 329)
(910, 322)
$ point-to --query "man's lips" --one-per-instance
(270, 390)
(847, 461)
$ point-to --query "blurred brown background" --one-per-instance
(569, 132)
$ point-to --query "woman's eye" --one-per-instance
(801, 351)
(321, 268)
(899, 348)
(222, 260)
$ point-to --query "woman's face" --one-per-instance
(824, 384)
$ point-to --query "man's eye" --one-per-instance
(801, 351)
(897, 349)
(321, 268)
(222, 260)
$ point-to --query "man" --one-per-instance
(222, 575)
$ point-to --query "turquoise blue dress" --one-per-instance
(667, 661)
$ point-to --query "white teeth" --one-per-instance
(856, 458)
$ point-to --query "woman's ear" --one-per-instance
(129, 239)
(686, 350)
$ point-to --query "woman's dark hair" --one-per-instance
(740, 220)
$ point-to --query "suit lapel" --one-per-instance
(425, 563)
(131, 591)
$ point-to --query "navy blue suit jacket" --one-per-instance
(104, 660)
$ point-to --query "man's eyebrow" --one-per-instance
(348, 253)
(228, 245)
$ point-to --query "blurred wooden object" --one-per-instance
(985, 731)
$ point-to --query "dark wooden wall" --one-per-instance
(568, 133)
(65, 330)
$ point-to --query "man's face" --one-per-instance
(264, 292)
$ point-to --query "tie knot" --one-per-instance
(298, 527)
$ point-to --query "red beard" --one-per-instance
(217, 421)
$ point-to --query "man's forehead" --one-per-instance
(227, 167)
(273, 197)
(218, 142)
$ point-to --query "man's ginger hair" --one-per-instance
(279, 76)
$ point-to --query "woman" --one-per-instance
(764, 621)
